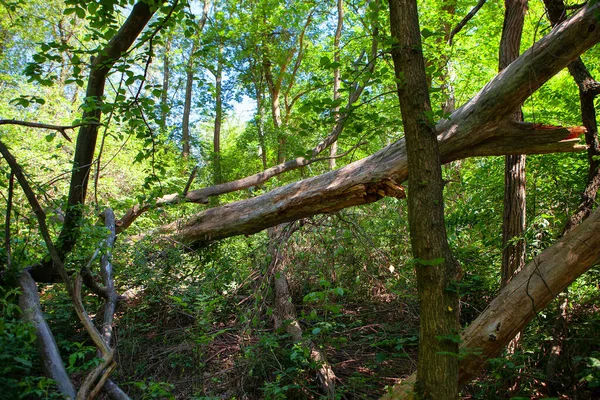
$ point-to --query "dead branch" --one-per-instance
(202, 195)
(73, 290)
(114, 391)
(106, 272)
(465, 21)
(60, 128)
(52, 363)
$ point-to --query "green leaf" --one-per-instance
(316, 331)
(23, 361)
(324, 61)
(427, 33)
(80, 12)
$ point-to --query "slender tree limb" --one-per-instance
(60, 128)
(93, 376)
(88, 278)
(9, 200)
(202, 195)
(465, 20)
(190, 181)
(102, 381)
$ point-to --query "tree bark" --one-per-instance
(218, 117)
(260, 122)
(437, 270)
(189, 86)
(513, 226)
(187, 105)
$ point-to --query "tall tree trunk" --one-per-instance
(88, 134)
(164, 96)
(189, 85)
(274, 92)
(513, 227)
(187, 105)
(218, 117)
(437, 271)
(336, 75)
(260, 123)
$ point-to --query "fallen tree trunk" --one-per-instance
(284, 313)
(477, 128)
(52, 363)
(528, 292)
(362, 182)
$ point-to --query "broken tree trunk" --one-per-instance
(362, 182)
(284, 314)
(473, 129)
(527, 293)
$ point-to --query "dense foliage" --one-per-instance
(197, 322)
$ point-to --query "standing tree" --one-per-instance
(513, 227)
(437, 271)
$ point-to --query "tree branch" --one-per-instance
(465, 21)
(60, 128)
